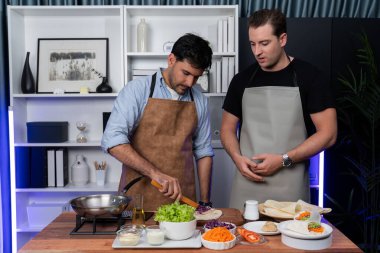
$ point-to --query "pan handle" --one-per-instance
(130, 184)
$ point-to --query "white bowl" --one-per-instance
(232, 230)
(178, 230)
(218, 245)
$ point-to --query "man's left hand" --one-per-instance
(270, 164)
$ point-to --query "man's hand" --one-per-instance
(269, 165)
(170, 185)
(247, 168)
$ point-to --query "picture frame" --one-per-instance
(64, 65)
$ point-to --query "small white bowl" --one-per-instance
(219, 245)
(178, 230)
(232, 230)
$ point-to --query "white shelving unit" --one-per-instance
(26, 24)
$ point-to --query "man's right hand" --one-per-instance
(170, 185)
(246, 167)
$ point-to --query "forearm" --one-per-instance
(204, 166)
(230, 143)
(310, 147)
(127, 155)
(325, 136)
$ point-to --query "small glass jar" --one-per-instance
(129, 237)
(155, 235)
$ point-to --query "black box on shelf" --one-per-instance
(48, 132)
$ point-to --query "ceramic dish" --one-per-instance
(256, 226)
(283, 229)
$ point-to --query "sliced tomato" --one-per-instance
(248, 235)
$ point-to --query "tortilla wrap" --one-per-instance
(300, 227)
(277, 213)
(288, 207)
(211, 214)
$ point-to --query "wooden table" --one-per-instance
(56, 238)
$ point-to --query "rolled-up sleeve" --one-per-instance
(202, 138)
(125, 114)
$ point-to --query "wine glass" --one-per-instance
(81, 126)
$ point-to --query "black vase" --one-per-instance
(104, 87)
(27, 80)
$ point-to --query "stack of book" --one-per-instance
(40, 167)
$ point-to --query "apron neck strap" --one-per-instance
(295, 80)
(153, 84)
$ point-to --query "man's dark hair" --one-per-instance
(194, 49)
(274, 17)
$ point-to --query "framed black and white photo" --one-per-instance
(69, 64)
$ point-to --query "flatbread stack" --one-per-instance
(211, 214)
(287, 210)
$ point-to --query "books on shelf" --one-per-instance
(226, 34)
(51, 167)
(61, 167)
(224, 72)
(137, 73)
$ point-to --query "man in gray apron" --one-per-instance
(159, 123)
(285, 112)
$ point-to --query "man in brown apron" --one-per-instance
(166, 125)
(273, 102)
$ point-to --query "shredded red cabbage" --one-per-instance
(215, 223)
(201, 209)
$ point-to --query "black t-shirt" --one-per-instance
(315, 90)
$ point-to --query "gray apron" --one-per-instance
(273, 122)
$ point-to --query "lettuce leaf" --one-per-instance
(175, 212)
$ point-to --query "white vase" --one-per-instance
(142, 36)
(80, 171)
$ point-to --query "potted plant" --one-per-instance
(358, 106)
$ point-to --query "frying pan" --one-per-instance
(102, 204)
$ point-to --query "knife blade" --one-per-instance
(183, 198)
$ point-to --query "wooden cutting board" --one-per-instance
(229, 215)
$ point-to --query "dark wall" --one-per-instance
(308, 39)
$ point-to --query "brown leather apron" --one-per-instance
(164, 138)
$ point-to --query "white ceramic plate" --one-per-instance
(282, 227)
(256, 226)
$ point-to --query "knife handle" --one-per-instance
(183, 198)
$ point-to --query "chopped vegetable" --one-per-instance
(175, 212)
(202, 209)
(215, 223)
(303, 215)
(218, 234)
(315, 227)
(248, 235)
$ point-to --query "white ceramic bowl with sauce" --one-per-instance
(218, 245)
(179, 230)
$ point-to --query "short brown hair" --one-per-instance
(274, 17)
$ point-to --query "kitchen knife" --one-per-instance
(183, 198)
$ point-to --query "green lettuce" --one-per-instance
(175, 212)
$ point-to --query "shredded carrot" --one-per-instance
(303, 216)
(218, 234)
(317, 229)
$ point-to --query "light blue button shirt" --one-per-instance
(129, 107)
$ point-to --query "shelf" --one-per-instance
(67, 95)
(59, 144)
(90, 187)
(26, 229)
(165, 54)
